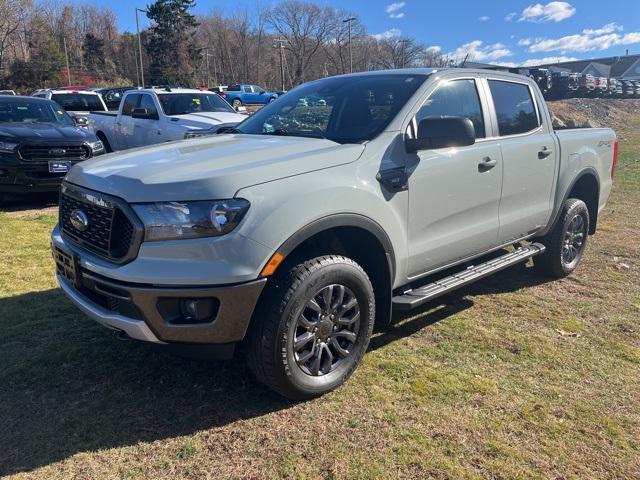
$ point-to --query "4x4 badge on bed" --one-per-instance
(79, 220)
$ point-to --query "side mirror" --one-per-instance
(442, 132)
(80, 121)
(144, 113)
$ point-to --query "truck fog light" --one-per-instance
(199, 310)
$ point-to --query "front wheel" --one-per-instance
(310, 336)
(567, 241)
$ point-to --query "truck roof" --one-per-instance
(165, 90)
(431, 70)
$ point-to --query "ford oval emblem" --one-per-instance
(79, 220)
(57, 152)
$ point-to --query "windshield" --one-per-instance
(78, 102)
(343, 109)
(33, 111)
(184, 103)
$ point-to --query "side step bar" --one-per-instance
(418, 296)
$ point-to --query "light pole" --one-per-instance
(140, 45)
(404, 42)
(280, 42)
(348, 21)
(206, 56)
(66, 56)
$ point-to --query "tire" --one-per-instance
(236, 102)
(567, 241)
(309, 371)
(107, 146)
(272, 99)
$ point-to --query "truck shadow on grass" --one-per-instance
(68, 386)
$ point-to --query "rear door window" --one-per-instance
(147, 102)
(514, 106)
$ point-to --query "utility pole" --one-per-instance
(206, 55)
(140, 46)
(280, 45)
(404, 42)
(66, 56)
(349, 20)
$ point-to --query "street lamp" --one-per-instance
(348, 21)
(140, 45)
(404, 42)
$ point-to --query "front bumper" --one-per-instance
(29, 178)
(152, 313)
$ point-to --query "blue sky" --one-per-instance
(499, 31)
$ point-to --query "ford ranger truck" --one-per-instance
(158, 115)
(296, 233)
(39, 142)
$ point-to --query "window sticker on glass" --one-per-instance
(196, 101)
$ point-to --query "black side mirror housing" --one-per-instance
(80, 121)
(442, 132)
(144, 113)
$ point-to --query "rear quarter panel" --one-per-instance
(585, 150)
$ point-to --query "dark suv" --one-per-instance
(39, 143)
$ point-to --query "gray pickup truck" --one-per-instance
(296, 233)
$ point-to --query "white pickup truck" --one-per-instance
(151, 116)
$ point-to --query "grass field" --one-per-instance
(514, 377)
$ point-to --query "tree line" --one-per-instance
(300, 39)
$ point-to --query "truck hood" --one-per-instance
(42, 132)
(208, 119)
(208, 168)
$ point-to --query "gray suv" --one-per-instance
(295, 234)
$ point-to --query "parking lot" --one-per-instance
(514, 376)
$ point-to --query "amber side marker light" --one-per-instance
(272, 264)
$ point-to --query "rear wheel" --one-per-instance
(310, 337)
(236, 103)
(567, 241)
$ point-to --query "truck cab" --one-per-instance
(157, 115)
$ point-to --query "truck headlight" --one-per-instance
(200, 133)
(7, 147)
(176, 220)
(97, 146)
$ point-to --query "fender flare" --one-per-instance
(583, 173)
(343, 220)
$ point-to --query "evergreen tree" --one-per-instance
(171, 42)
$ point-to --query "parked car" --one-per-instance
(297, 231)
(602, 86)
(564, 84)
(240, 94)
(612, 87)
(112, 96)
(77, 103)
(151, 116)
(38, 145)
(629, 88)
(586, 83)
(7, 92)
(220, 89)
(636, 84)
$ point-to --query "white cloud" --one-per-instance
(525, 42)
(393, 7)
(511, 16)
(396, 15)
(552, 11)
(589, 39)
(483, 18)
(394, 32)
(434, 49)
(477, 51)
(505, 64)
(532, 62)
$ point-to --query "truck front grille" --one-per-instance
(109, 227)
(54, 152)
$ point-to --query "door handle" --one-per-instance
(486, 164)
(544, 153)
